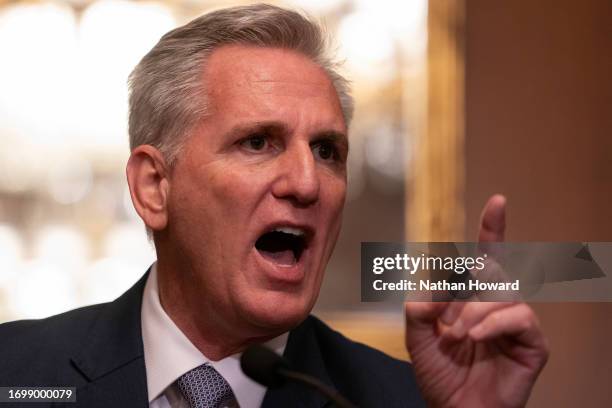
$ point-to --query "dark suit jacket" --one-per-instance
(98, 349)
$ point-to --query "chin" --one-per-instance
(278, 311)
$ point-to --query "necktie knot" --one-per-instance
(204, 387)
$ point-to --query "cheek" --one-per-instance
(216, 191)
(235, 194)
(335, 195)
(197, 208)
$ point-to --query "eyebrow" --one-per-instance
(280, 127)
(271, 126)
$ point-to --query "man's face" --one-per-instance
(257, 193)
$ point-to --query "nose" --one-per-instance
(298, 179)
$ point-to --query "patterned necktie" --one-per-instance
(204, 387)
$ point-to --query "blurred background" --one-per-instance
(456, 100)
(68, 231)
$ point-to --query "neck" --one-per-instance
(215, 335)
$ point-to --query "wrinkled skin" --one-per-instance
(476, 354)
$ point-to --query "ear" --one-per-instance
(147, 177)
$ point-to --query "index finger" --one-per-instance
(493, 220)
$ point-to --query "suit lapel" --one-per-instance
(112, 357)
(304, 354)
(112, 360)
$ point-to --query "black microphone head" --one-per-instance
(262, 364)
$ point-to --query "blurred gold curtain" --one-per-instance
(435, 177)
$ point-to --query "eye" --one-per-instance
(325, 150)
(255, 142)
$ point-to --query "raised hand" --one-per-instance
(476, 354)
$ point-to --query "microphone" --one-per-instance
(268, 368)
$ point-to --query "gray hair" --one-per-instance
(167, 95)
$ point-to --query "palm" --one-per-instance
(458, 365)
(468, 373)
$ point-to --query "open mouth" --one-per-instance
(283, 246)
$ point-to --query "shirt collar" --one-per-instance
(169, 353)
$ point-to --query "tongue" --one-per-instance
(285, 257)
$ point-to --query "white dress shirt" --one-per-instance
(169, 354)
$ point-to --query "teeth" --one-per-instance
(289, 230)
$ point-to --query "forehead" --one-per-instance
(242, 75)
